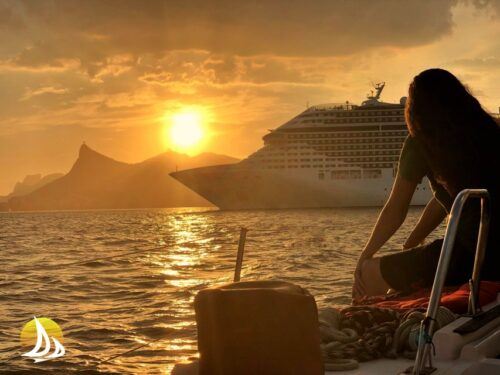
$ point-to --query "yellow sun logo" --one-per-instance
(29, 332)
(43, 334)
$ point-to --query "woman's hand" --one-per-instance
(358, 288)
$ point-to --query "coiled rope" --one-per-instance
(406, 337)
(362, 333)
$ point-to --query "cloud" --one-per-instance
(111, 66)
(204, 68)
(487, 5)
(108, 66)
(89, 30)
(30, 93)
(487, 63)
(18, 64)
(9, 18)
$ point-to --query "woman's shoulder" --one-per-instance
(412, 163)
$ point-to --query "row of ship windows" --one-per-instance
(311, 141)
(264, 156)
(362, 140)
(354, 120)
(355, 113)
(348, 135)
(287, 149)
(393, 149)
(346, 165)
(340, 153)
(344, 159)
(360, 144)
(361, 147)
(356, 174)
(347, 146)
(361, 153)
(366, 160)
(302, 160)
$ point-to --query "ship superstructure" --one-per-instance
(339, 141)
(330, 155)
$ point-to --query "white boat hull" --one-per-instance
(237, 187)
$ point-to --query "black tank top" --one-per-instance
(413, 166)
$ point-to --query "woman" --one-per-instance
(456, 144)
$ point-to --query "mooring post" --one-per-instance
(239, 256)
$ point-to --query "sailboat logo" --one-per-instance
(48, 335)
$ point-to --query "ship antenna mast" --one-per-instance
(378, 90)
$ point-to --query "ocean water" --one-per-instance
(116, 280)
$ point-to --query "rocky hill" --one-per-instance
(98, 182)
(31, 183)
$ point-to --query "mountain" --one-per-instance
(31, 183)
(97, 182)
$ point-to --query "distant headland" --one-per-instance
(98, 182)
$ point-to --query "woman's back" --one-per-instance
(461, 143)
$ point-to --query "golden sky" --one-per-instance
(110, 72)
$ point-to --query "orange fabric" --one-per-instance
(455, 299)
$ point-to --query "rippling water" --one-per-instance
(48, 267)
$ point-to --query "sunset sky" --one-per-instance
(113, 73)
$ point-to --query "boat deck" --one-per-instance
(475, 353)
(487, 366)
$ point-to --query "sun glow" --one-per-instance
(186, 130)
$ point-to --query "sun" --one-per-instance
(186, 130)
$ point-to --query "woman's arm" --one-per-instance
(390, 219)
(392, 216)
(432, 216)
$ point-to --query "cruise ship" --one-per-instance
(330, 155)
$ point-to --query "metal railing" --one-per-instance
(427, 325)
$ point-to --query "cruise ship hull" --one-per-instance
(235, 187)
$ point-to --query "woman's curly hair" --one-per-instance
(460, 139)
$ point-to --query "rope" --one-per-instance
(407, 335)
(355, 334)
(362, 333)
